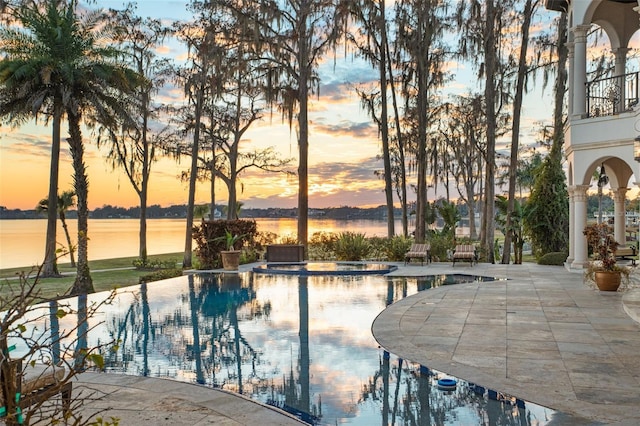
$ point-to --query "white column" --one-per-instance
(619, 71)
(579, 222)
(619, 219)
(621, 60)
(579, 79)
(572, 232)
(570, 79)
(637, 224)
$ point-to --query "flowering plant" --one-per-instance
(602, 244)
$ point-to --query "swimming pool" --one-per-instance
(303, 343)
(325, 268)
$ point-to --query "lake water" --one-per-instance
(22, 241)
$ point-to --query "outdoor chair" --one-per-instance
(418, 251)
(626, 253)
(33, 384)
(465, 252)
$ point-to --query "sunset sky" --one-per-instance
(342, 153)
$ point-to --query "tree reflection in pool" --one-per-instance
(302, 343)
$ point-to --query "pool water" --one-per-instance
(302, 343)
(325, 268)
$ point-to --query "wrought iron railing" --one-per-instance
(612, 95)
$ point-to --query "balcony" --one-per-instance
(612, 95)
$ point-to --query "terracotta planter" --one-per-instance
(608, 280)
(230, 260)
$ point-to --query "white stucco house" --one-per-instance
(604, 114)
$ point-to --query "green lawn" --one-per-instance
(107, 274)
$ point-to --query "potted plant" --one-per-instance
(230, 256)
(604, 269)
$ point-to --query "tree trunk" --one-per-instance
(400, 142)
(188, 242)
(83, 283)
(143, 223)
(144, 185)
(490, 99)
(50, 265)
(384, 117)
(421, 157)
(303, 126)
(515, 132)
(63, 220)
(471, 206)
(232, 204)
(212, 187)
(560, 87)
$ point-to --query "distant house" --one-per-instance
(316, 213)
(604, 115)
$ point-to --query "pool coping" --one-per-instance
(137, 400)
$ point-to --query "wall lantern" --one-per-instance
(603, 180)
(636, 148)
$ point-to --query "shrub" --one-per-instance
(249, 255)
(160, 274)
(397, 247)
(151, 264)
(556, 258)
(546, 220)
(322, 246)
(264, 238)
(440, 243)
(352, 246)
(379, 248)
(288, 239)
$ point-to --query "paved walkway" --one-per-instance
(542, 335)
(139, 401)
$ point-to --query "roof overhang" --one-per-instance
(557, 5)
(563, 5)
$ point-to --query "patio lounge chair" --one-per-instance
(36, 384)
(465, 252)
(626, 253)
(418, 251)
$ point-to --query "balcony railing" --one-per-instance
(612, 95)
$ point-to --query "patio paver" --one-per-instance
(542, 335)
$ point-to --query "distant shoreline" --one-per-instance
(180, 212)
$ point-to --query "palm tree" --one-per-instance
(31, 83)
(201, 210)
(451, 216)
(53, 65)
(66, 200)
(101, 90)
